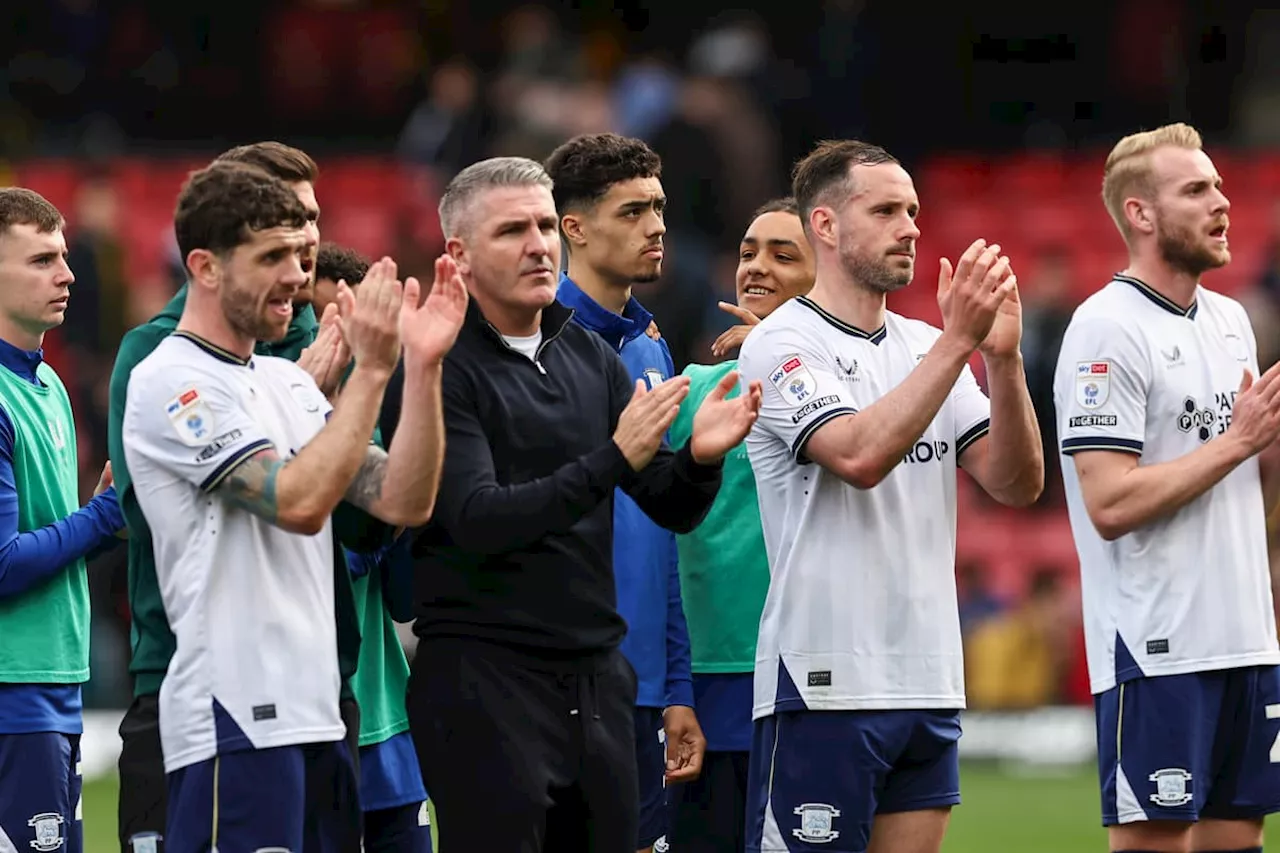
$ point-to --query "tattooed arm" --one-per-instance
(300, 494)
(399, 485)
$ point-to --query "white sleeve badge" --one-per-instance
(793, 380)
(1093, 383)
(191, 418)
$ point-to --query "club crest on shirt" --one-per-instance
(191, 418)
(1093, 383)
(652, 377)
(308, 397)
(48, 827)
(793, 380)
(57, 434)
(1236, 346)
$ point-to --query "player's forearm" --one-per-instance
(311, 485)
(881, 435)
(416, 454)
(673, 490)
(29, 559)
(1014, 464)
(1269, 473)
(679, 684)
(1119, 503)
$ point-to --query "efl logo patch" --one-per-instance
(191, 418)
(793, 380)
(1093, 383)
(652, 378)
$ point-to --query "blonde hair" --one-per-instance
(1128, 169)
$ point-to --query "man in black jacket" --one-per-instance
(519, 702)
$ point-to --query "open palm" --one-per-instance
(428, 329)
(720, 424)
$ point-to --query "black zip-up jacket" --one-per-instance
(520, 548)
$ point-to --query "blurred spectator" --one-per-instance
(1264, 302)
(1047, 306)
(645, 95)
(976, 602)
(447, 129)
(96, 319)
(1017, 659)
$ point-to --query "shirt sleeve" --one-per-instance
(30, 557)
(1100, 388)
(187, 421)
(972, 410)
(801, 390)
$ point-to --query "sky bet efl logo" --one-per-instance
(1093, 383)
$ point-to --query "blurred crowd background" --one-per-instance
(1002, 113)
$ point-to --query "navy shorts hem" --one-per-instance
(1166, 815)
(920, 805)
(1228, 813)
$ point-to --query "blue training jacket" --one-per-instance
(644, 554)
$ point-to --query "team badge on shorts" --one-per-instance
(1093, 383)
(1172, 787)
(793, 380)
(48, 827)
(145, 842)
(815, 823)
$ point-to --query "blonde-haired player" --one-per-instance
(1159, 410)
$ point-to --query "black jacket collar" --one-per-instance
(554, 318)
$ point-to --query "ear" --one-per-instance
(203, 268)
(822, 224)
(457, 250)
(1139, 215)
(571, 225)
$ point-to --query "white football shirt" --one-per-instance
(251, 605)
(861, 612)
(1190, 592)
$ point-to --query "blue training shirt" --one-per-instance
(644, 554)
(29, 558)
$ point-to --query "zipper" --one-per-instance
(537, 354)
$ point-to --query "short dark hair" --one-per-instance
(786, 204)
(289, 164)
(220, 205)
(583, 169)
(340, 263)
(21, 206)
(824, 171)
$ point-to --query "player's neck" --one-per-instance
(860, 307)
(606, 292)
(14, 334)
(211, 325)
(512, 321)
(1178, 286)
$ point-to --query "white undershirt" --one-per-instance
(526, 346)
